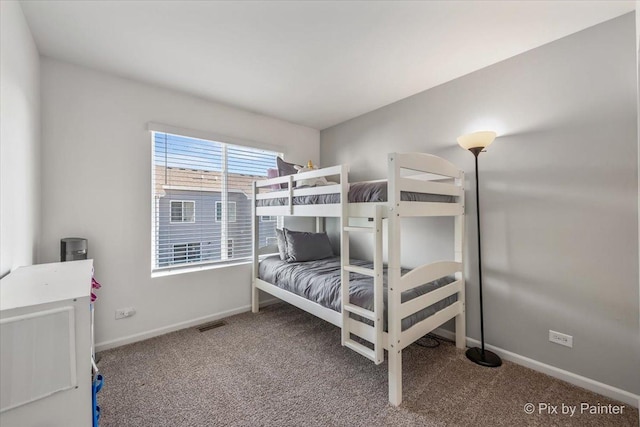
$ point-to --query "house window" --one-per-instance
(272, 241)
(214, 176)
(183, 211)
(231, 206)
(186, 252)
(268, 218)
(230, 248)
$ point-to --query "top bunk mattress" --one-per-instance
(359, 192)
(319, 281)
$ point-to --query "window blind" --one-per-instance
(202, 192)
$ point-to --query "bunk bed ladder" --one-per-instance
(377, 315)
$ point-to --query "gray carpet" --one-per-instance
(284, 367)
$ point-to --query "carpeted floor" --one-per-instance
(284, 367)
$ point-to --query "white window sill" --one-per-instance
(172, 271)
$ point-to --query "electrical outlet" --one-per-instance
(560, 338)
(121, 313)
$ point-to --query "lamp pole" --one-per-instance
(476, 152)
(475, 143)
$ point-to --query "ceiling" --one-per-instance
(315, 63)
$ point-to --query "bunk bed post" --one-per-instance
(255, 297)
(378, 285)
(393, 300)
(461, 335)
(290, 189)
(344, 249)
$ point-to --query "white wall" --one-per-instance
(559, 195)
(97, 184)
(637, 12)
(19, 140)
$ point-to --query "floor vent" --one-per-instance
(211, 325)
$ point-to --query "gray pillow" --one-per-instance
(285, 169)
(282, 244)
(305, 246)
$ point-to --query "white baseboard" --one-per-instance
(106, 345)
(575, 379)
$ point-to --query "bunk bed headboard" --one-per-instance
(425, 163)
(443, 177)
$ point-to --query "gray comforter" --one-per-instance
(319, 281)
(359, 192)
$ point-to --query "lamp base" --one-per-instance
(484, 358)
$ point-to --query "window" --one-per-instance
(186, 252)
(231, 206)
(202, 193)
(272, 241)
(183, 211)
(268, 218)
(230, 248)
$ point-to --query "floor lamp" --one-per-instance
(476, 142)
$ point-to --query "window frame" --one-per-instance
(274, 240)
(182, 202)
(230, 247)
(187, 249)
(157, 241)
(235, 211)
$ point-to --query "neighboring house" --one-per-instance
(192, 225)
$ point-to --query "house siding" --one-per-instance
(205, 230)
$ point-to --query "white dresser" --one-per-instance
(46, 346)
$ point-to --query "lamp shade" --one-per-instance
(481, 139)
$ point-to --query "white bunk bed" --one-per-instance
(407, 172)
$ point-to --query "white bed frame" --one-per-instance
(415, 172)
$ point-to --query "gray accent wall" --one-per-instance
(559, 195)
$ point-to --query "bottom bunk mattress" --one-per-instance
(319, 281)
